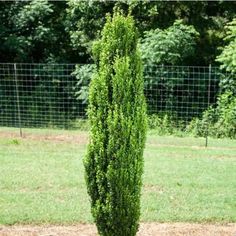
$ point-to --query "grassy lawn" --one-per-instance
(42, 181)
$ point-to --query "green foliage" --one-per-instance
(166, 124)
(83, 74)
(202, 127)
(167, 87)
(117, 113)
(15, 141)
(228, 55)
(34, 11)
(85, 19)
(170, 46)
(60, 31)
(226, 112)
(225, 126)
(42, 105)
(79, 124)
(34, 31)
(32, 27)
(217, 122)
(228, 58)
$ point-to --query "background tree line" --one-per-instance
(175, 33)
(63, 31)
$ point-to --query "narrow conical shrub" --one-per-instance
(117, 114)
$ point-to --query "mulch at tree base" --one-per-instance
(146, 229)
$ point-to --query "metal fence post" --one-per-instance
(18, 101)
(208, 103)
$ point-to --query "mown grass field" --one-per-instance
(42, 179)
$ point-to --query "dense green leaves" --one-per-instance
(85, 19)
(228, 55)
(171, 46)
(34, 31)
(83, 74)
(117, 113)
(31, 22)
(219, 122)
(64, 31)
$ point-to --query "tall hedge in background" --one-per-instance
(117, 114)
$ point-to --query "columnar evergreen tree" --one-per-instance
(117, 113)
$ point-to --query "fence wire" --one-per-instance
(55, 95)
(38, 96)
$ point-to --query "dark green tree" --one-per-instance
(63, 31)
(117, 114)
(35, 31)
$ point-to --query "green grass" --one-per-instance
(42, 181)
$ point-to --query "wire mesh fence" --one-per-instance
(55, 95)
(183, 92)
(38, 95)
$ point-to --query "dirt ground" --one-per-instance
(81, 138)
(146, 229)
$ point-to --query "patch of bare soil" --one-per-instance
(146, 229)
(81, 138)
(192, 147)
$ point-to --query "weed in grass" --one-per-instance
(15, 142)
